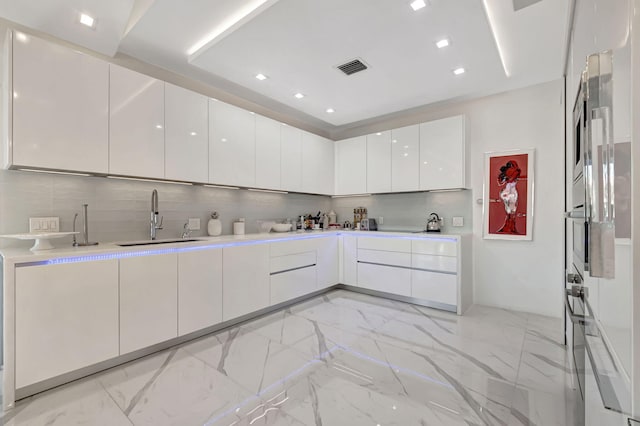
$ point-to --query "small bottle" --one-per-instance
(325, 222)
(214, 226)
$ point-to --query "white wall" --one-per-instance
(520, 275)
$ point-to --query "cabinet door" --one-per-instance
(246, 280)
(291, 156)
(435, 287)
(186, 135)
(66, 318)
(349, 260)
(351, 166)
(327, 255)
(267, 153)
(199, 290)
(405, 171)
(387, 279)
(136, 124)
(442, 149)
(60, 107)
(148, 300)
(317, 164)
(379, 162)
(289, 285)
(232, 145)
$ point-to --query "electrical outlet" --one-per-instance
(194, 223)
(44, 224)
(457, 221)
(380, 220)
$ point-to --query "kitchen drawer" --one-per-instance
(385, 244)
(292, 261)
(284, 248)
(385, 278)
(434, 263)
(434, 246)
(292, 284)
(385, 257)
(435, 287)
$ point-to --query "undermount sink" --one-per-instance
(146, 243)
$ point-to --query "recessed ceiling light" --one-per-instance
(330, 110)
(261, 77)
(193, 134)
(158, 126)
(86, 20)
(378, 134)
(417, 4)
(442, 43)
(458, 71)
(299, 95)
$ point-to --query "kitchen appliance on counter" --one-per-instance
(434, 223)
(368, 225)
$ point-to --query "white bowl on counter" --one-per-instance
(281, 227)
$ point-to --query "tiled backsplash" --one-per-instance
(409, 211)
(119, 209)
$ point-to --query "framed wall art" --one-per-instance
(508, 195)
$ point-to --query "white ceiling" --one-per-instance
(298, 44)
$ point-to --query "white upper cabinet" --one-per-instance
(232, 145)
(291, 158)
(60, 107)
(317, 164)
(351, 166)
(186, 135)
(267, 153)
(136, 125)
(379, 162)
(405, 155)
(442, 154)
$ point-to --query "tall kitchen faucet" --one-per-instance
(155, 225)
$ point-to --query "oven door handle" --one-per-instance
(575, 214)
(577, 292)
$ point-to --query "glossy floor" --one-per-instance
(339, 359)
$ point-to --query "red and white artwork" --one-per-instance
(508, 200)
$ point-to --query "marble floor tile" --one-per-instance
(249, 359)
(83, 402)
(341, 358)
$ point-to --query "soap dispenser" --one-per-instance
(214, 226)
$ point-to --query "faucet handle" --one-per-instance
(160, 224)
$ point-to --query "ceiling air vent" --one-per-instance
(352, 67)
(521, 4)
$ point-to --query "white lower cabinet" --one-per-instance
(245, 280)
(148, 300)
(199, 290)
(291, 284)
(384, 278)
(431, 270)
(66, 318)
(349, 264)
(435, 286)
(327, 254)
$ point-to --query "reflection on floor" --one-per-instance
(339, 359)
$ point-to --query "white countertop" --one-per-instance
(24, 255)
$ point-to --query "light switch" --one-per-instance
(457, 221)
(44, 224)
